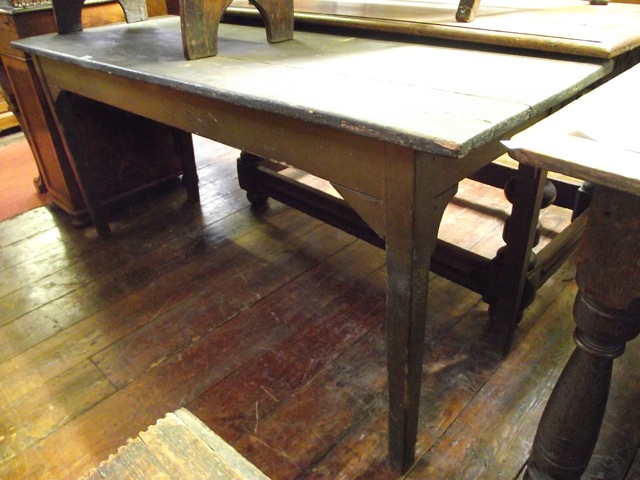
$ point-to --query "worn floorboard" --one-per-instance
(269, 326)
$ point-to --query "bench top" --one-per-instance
(595, 138)
(444, 100)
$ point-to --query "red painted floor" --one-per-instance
(18, 168)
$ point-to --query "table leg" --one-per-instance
(607, 314)
(184, 149)
(515, 258)
(69, 118)
(413, 213)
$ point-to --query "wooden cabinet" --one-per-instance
(147, 153)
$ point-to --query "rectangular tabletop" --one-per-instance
(595, 138)
(393, 126)
(436, 99)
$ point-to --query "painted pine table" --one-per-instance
(393, 126)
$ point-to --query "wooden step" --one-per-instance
(179, 445)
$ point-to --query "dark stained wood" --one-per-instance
(606, 310)
(408, 271)
(199, 22)
(271, 379)
(607, 319)
(230, 291)
(105, 162)
(309, 352)
(527, 201)
(634, 471)
(68, 15)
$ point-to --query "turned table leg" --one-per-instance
(607, 314)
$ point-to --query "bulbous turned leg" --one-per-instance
(247, 164)
(607, 314)
(569, 428)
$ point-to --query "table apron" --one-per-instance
(351, 160)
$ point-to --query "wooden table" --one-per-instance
(596, 139)
(393, 126)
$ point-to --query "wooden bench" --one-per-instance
(595, 139)
(179, 445)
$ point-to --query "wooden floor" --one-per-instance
(269, 326)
